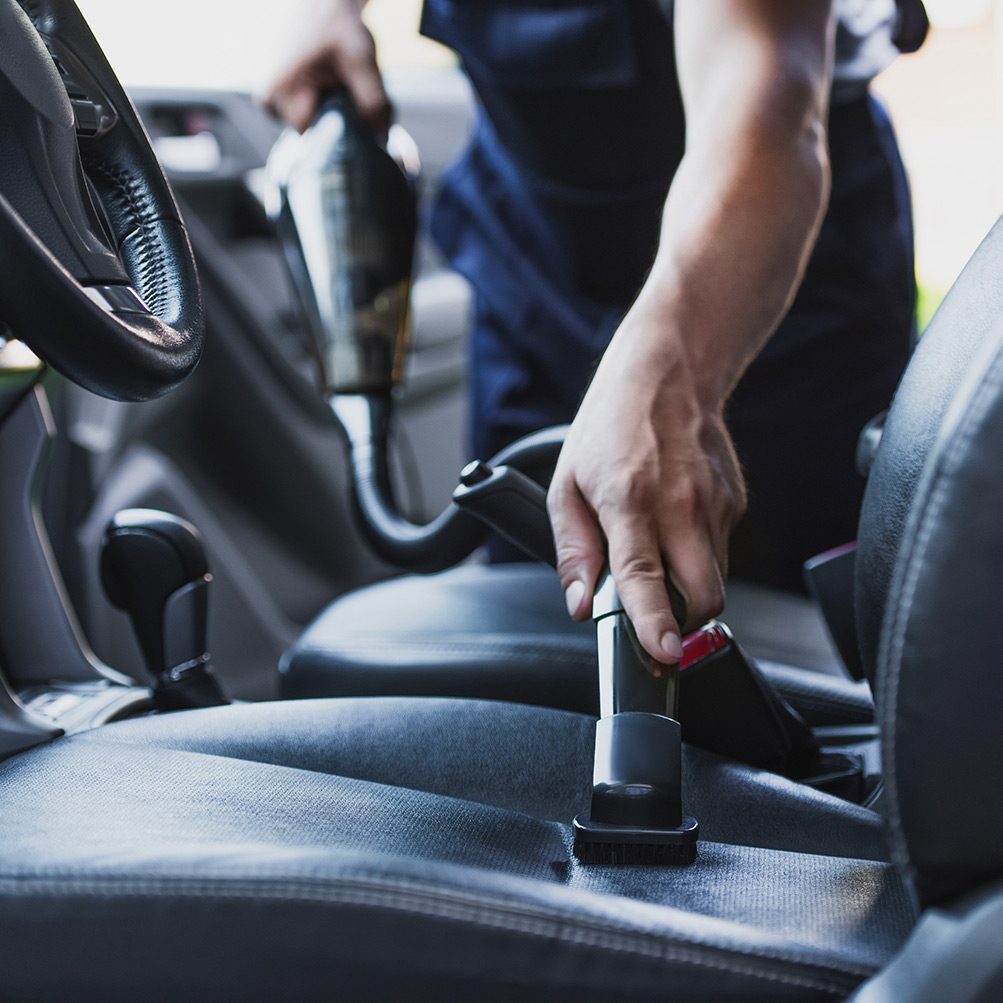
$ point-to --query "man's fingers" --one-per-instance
(364, 82)
(639, 565)
(295, 105)
(695, 571)
(637, 568)
(639, 562)
(295, 99)
(339, 52)
(579, 545)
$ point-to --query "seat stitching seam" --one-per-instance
(367, 890)
(433, 647)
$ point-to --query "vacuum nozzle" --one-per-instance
(636, 812)
(636, 815)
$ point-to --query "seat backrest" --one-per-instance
(940, 651)
(936, 370)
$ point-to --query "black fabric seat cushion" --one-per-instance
(502, 633)
(409, 847)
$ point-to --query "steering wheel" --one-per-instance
(96, 271)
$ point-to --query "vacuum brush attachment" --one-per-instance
(636, 815)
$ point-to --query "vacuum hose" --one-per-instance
(454, 534)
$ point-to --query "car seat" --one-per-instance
(420, 847)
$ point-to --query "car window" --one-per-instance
(235, 44)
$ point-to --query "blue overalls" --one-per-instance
(553, 214)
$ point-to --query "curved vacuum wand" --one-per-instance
(344, 209)
(454, 534)
(440, 544)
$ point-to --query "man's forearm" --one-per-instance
(749, 195)
(648, 473)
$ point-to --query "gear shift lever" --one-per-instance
(154, 567)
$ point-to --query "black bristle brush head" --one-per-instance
(598, 843)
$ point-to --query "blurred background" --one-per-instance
(944, 100)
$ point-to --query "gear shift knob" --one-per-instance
(153, 567)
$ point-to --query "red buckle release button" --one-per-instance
(697, 646)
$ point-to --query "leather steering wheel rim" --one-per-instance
(108, 295)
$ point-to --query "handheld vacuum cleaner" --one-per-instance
(344, 208)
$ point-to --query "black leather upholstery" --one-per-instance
(823, 701)
(503, 633)
(409, 848)
(952, 955)
(494, 633)
(939, 656)
(940, 362)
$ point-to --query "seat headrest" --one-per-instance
(940, 654)
(936, 370)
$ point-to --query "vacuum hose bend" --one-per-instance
(453, 535)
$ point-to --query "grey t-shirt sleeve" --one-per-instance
(865, 32)
(867, 40)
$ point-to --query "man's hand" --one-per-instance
(337, 51)
(648, 465)
(648, 469)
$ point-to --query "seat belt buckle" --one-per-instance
(728, 707)
(829, 577)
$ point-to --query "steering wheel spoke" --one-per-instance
(116, 299)
(94, 114)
